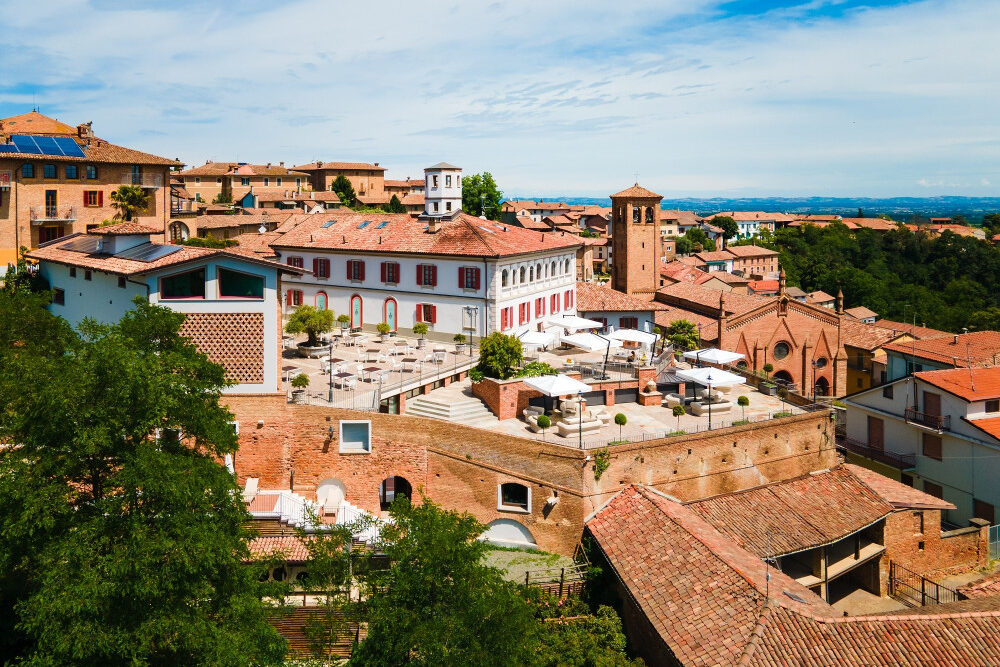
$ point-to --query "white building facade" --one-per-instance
(442, 189)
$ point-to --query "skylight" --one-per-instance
(381, 225)
(328, 223)
(364, 224)
(489, 231)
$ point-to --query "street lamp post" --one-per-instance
(579, 416)
(329, 372)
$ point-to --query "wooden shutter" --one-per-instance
(475, 277)
(288, 298)
(349, 262)
(433, 310)
(316, 267)
(461, 277)
(100, 197)
(85, 193)
(420, 312)
(362, 263)
(383, 271)
(434, 275)
(420, 274)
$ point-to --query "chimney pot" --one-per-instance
(956, 340)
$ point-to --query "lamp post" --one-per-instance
(579, 415)
(329, 372)
(473, 312)
(709, 406)
(815, 366)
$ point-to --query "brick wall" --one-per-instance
(931, 552)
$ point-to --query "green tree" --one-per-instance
(310, 321)
(684, 245)
(345, 191)
(543, 423)
(437, 603)
(499, 354)
(129, 200)
(591, 640)
(729, 227)
(395, 206)
(698, 238)
(120, 548)
(683, 335)
(991, 224)
(481, 196)
(744, 401)
(23, 277)
(621, 420)
(223, 198)
(679, 412)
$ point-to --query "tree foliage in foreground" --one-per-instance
(481, 196)
(120, 549)
(499, 354)
(683, 335)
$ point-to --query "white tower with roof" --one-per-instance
(442, 189)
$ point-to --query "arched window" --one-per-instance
(178, 231)
(503, 278)
(553, 270)
(514, 497)
(521, 280)
(392, 488)
(538, 271)
(649, 214)
(531, 275)
(509, 533)
(330, 494)
(321, 301)
(567, 266)
(636, 213)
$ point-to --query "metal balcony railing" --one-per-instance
(889, 458)
(40, 214)
(939, 422)
(143, 180)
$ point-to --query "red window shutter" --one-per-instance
(85, 193)
(290, 261)
(434, 314)
(349, 262)
(288, 298)
(420, 274)
(420, 312)
(434, 275)
(100, 197)
(362, 269)
(475, 277)
(383, 271)
(316, 267)
(623, 323)
(461, 277)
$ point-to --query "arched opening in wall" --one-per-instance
(392, 488)
(822, 386)
(553, 271)
(330, 494)
(742, 365)
(508, 533)
(504, 278)
(649, 215)
(321, 301)
(783, 377)
(520, 280)
(357, 312)
(389, 308)
(178, 231)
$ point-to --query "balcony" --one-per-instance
(143, 180)
(889, 458)
(45, 214)
(183, 207)
(936, 422)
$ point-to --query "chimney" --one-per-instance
(376, 164)
(955, 341)
(281, 164)
(268, 165)
(434, 225)
(83, 130)
(840, 301)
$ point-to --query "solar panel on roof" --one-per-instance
(148, 252)
(381, 225)
(48, 146)
(25, 143)
(328, 223)
(69, 147)
(8, 148)
(364, 224)
(85, 244)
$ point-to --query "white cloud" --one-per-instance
(554, 97)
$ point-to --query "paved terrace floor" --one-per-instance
(366, 370)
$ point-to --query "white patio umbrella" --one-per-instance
(713, 355)
(556, 385)
(710, 377)
(633, 335)
(573, 323)
(536, 338)
(590, 342)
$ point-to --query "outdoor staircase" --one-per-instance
(453, 405)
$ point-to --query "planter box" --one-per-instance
(767, 389)
(312, 352)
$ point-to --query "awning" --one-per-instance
(574, 323)
(556, 385)
(711, 377)
(633, 335)
(590, 342)
(536, 338)
(713, 355)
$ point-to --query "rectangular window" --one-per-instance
(293, 297)
(267, 181)
(295, 261)
(239, 285)
(523, 312)
(568, 300)
(72, 171)
(932, 446)
(468, 277)
(993, 406)
(982, 510)
(86, 275)
(932, 489)
(514, 497)
(390, 272)
(49, 171)
(427, 313)
(72, 272)
(321, 267)
(59, 297)
(27, 170)
(121, 282)
(244, 181)
(919, 517)
(46, 234)
(447, 181)
(355, 436)
(427, 275)
(554, 303)
(355, 269)
(540, 306)
(93, 198)
(187, 285)
(887, 391)
(91, 172)
(629, 322)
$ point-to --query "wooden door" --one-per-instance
(875, 434)
(932, 404)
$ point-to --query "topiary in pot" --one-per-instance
(543, 423)
(311, 322)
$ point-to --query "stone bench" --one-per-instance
(699, 409)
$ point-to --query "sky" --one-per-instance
(692, 98)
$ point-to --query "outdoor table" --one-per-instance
(372, 352)
(342, 378)
(370, 372)
(411, 360)
(334, 362)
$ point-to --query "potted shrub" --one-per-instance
(420, 328)
(299, 384)
(344, 319)
(459, 343)
(679, 412)
(543, 423)
(621, 420)
(383, 331)
(311, 322)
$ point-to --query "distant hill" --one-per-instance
(973, 208)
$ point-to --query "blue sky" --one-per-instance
(699, 98)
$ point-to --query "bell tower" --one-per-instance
(635, 234)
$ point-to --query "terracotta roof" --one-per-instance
(392, 183)
(255, 244)
(55, 252)
(750, 251)
(856, 333)
(793, 291)
(530, 223)
(821, 296)
(724, 276)
(591, 297)
(679, 270)
(290, 548)
(895, 493)
(796, 514)
(990, 426)
(685, 218)
(709, 326)
(814, 217)
(636, 191)
(975, 384)
(684, 294)
(35, 123)
(763, 285)
(125, 229)
(877, 224)
(715, 256)
(860, 312)
(442, 165)
(249, 217)
(980, 347)
(354, 166)
(412, 199)
(750, 216)
(711, 602)
(983, 588)
(915, 331)
(465, 236)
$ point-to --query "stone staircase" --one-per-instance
(454, 404)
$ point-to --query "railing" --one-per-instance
(898, 461)
(52, 213)
(916, 590)
(143, 180)
(183, 207)
(939, 422)
(559, 580)
(994, 542)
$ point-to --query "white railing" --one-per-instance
(143, 180)
(52, 213)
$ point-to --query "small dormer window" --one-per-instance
(267, 181)
(993, 406)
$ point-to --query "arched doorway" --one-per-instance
(822, 386)
(783, 377)
(178, 231)
(508, 533)
(392, 488)
(330, 494)
(321, 301)
(357, 312)
(389, 313)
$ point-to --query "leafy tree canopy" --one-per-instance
(129, 200)
(344, 190)
(395, 206)
(499, 354)
(120, 549)
(729, 227)
(683, 335)
(209, 242)
(480, 193)
(310, 321)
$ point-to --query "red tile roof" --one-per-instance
(860, 312)
(530, 223)
(978, 348)
(983, 588)
(125, 229)
(713, 603)
(715, 256)
(354, 166)
(895, 493)
(237, 169)
(856, 333)
(290, 548)
(636, 191)
(975, 384)
(795, 514)
(989, 426)
(763, 285)
(915, 331)
(591, 297)
(877, 224)
(750, 251)
(684, 294)
(749, 216)
(820, 296)
(465, 236)
(35, 123)
(684, 218)
(724, 276)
